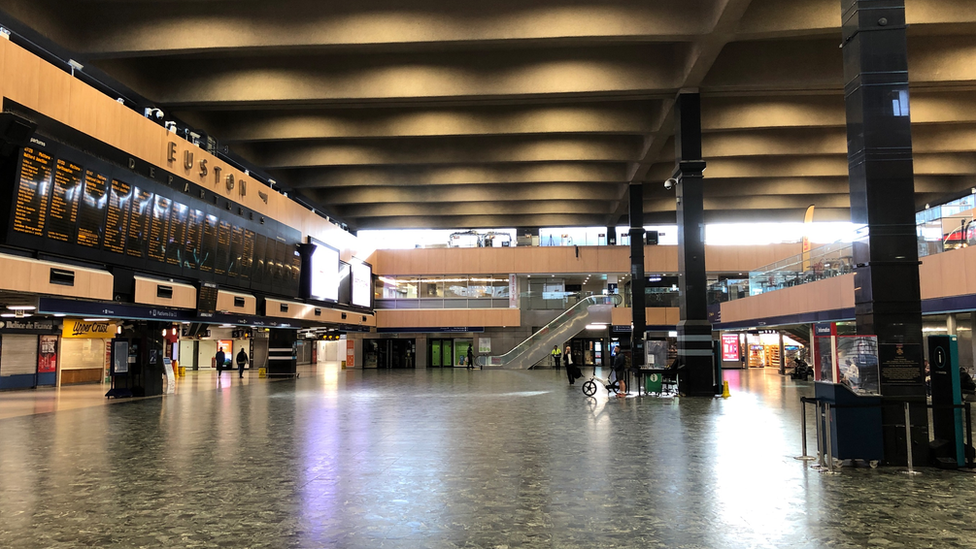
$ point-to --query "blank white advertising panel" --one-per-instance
(362, 290)
(325, 272)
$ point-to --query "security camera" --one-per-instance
(670, 183)
(153, 114)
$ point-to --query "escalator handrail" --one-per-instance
(586, 303)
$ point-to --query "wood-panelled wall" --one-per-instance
(305, 311)
(823, 295)
(38, 85)
(656, 316)
(225, 302)
(445, 318)
(564, 259)
(23, 274)
(948, 274)
(184, 295)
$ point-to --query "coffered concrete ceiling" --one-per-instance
(449, 114)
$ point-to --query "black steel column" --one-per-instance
(638, 281)
(879, 140)
(694, 329)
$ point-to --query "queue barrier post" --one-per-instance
(830, 453)
(908, 441)
(803, 432)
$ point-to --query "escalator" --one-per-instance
(564, 327)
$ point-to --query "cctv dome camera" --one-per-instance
(670, 183)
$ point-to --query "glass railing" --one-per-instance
(823, 262)
(564, 327)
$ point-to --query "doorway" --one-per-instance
(390, 353)
(440, 353)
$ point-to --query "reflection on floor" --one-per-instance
(450, 458)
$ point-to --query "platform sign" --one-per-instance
(730, 347)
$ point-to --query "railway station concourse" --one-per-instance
(394, 215)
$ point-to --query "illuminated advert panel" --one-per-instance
(325, 272)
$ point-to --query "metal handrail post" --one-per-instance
(908, 441)
(969, 435)
(820, 461)
(830, 451)
(803, 432)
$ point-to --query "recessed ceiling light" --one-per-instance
(95, 320)
(21, 307)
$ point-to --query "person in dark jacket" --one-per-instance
(241, 362)
(219, 359)
(620, 370)
(470, 356)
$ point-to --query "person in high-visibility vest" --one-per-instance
(557, 356)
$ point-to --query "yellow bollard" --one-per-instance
(262, 373)
(725, 389)
(182, 371)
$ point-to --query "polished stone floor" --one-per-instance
(455, 458)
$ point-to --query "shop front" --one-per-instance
(85, 350)
(773, 349)
(28, 353)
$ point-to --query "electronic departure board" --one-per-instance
(32, 191)
(207, 299)
(72, 204)
(117, 217)
(62, 219)
(91, 214)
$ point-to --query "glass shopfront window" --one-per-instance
(449, 291)
(456, 286)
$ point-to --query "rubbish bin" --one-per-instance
(653, 383)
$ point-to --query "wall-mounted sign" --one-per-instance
(28, 326)
(76, 329)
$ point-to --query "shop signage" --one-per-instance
(730, 347)
(821, 329)
(32, 326)
(80, 329)
(512, 292)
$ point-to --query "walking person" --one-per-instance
(219, 359)
(241, 362)
(470, 357)
(572, 372)
(556, 356)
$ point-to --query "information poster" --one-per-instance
(730, 347)
(47, 357)
(857, 363)
(901, 363)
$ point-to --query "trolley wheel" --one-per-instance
(589, 388)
